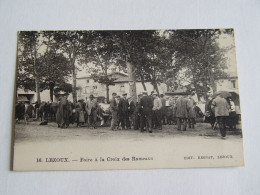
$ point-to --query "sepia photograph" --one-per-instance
(126, 99)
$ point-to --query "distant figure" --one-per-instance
(157, 106)
(80, 115)
(191, 112)
(138, 112)
(182, 113)
(19, 111)
(91, 108)
(63, 113)
(114, 111)
(131, 112)
(146, 103)
(221, 113)
(163, 109)
(232, 119)
(123, 112)
(210, 113)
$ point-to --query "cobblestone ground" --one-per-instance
(34, 132)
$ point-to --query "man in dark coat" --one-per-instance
(131, 112)
(163, 109)
(63, 113)
(114, 111)
(123, 112)
(191, 112)
(146, 103)
(91, 108)
(137, 113)
(210, 113)
(181, 112)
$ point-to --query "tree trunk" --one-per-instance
(142, 80)
(36, 77)
(107, 90)
(74, 85)
(132, 80)
(156, 87)
(51, 90)
(37, 86)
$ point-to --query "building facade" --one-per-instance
(87, 86)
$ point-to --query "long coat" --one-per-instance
(63, 112)
(182, 107)
(91, 106)
(146, 103)
(123, 106)
(221, 107)
(191, 108)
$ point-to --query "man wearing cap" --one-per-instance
(146, 103)
(123, 106)
(114, 111)
(91, 108)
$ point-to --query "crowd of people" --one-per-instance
(148, 112)
(151, 112)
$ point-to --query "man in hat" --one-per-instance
(137, 113)
(91, 108)
(191, 112)
(163, 109)
(80, 115)
(146, 103)
(123, 111)
(181, 110)
(114, 111)
(157, 106)
(131, 112)
(221, 113)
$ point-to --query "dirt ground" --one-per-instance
(34, 132)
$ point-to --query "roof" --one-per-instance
(177, 92)
(110, 74)
(122, 80)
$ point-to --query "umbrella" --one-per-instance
(224, 94)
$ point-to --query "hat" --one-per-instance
(114, 94)
(124, 94)
(145, 92)
(91, 95)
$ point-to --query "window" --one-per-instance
(87, 81)
(233, 84)
(122, 88)
(94, 87)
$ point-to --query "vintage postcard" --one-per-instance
(128, 99)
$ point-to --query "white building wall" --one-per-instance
(230, 85)
(98, 89)
(45, 95)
